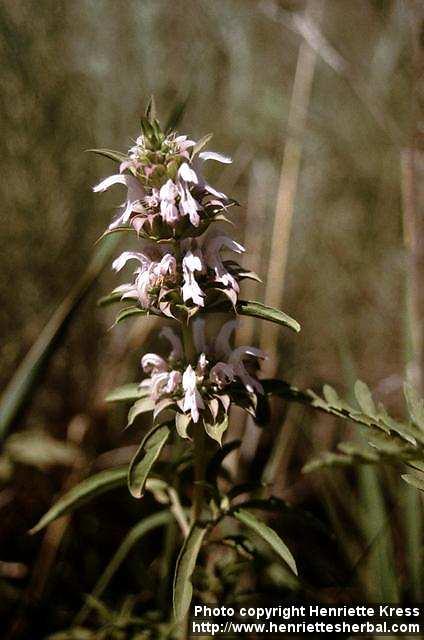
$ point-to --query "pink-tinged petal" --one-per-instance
(126, 164)
(222, 374)
(122, 260)
(212, 155)
(174, 381)
(152, 363)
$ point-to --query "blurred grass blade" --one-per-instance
(268, 535)
(133, 536)
(23, 382)
(183, 589)
(177, 114)
(82, 493)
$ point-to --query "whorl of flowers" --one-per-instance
(204, 389)
(182, 269)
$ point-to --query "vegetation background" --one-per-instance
(320, 105)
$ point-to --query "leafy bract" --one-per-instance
(117, 156)
(262, 311)
(126, 393)
(268, 535)
(82, 493)
(143, 461)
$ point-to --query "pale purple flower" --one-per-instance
(135, 195)
(222, 374)
(150, 274)
(236, 360)
(214, 261)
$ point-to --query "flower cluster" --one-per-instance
(162, 284)
(204, 389)
(182, 271)
(167, 196)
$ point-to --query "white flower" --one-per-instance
(168, 208)
(191, 263)
(192, 399)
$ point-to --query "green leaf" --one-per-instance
(82, 493)
(150, 112)
(143, 461)
(117, 156)
(24, 381)
(364, 399)
(127, 392)
(414, 481)
(182, 422)
(268, 535)
(262, 311)
(186, 562)
(217, 429)
(134, 535)
(143, 405)
(415, 405)
(128, 312)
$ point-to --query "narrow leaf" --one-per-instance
(143, 461)
(117, 156)
(364, 398)
(82, 493)
(414, 481)
(133, 536)
(143, 405)
(262, 311)
(186, 562)
(129, 312)
(268, 535)
(127, 392)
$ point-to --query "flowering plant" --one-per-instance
(183, 274)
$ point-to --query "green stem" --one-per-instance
(199, 471)
(199, 434)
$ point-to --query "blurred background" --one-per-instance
(320, 105)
